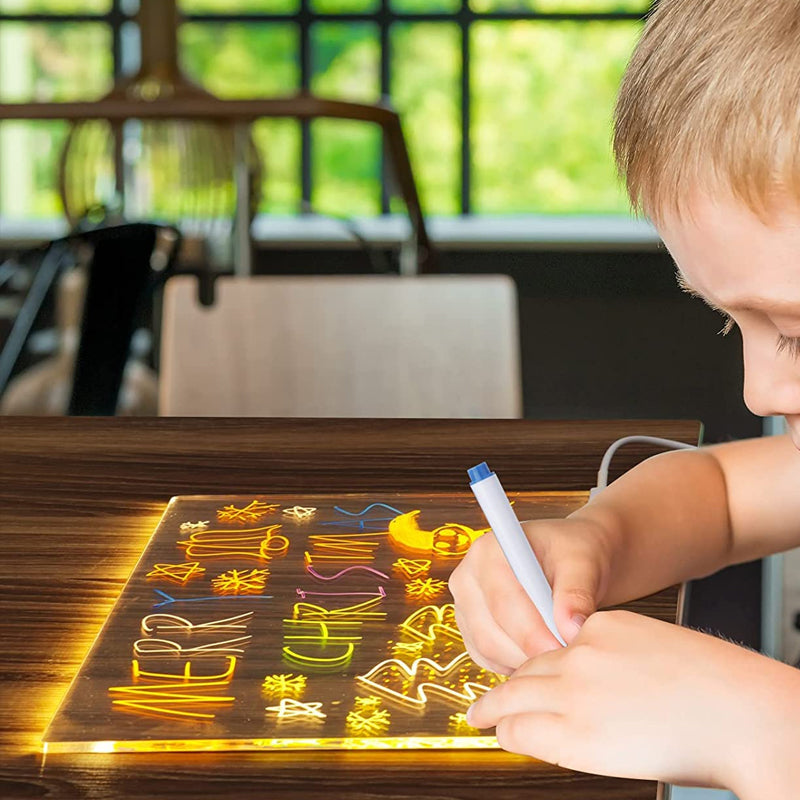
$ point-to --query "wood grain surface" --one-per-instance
(79, 499)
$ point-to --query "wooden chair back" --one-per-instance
(433, 346)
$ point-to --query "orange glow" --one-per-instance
(236, 581)
(381, 658)
(178, 573)
(425, 589)
(412, 568)
(260, 544)
(250, 513)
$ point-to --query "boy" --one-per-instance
(708, 138)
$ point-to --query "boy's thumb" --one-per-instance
(574, 597)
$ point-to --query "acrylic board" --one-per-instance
(289, 622)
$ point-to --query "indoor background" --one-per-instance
(506, 106)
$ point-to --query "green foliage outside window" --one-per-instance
(542, 95)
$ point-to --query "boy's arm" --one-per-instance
(686, 514)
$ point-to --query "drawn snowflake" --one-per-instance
(368, 723)
(241, 581)
(286, 685)
(425, 589)
(178, 573)
(250, 513)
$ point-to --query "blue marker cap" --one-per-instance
(479, 472)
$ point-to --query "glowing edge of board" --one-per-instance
(344, 743)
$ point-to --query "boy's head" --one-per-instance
(711, 98)
(707, 137)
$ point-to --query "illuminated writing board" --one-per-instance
(289, 622)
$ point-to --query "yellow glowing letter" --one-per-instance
(360, 612)
(166, 623)
(186, 675)
(172, 699)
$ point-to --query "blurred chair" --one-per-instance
(342, 346)
(98, 310)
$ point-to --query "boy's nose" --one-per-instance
(771, 381)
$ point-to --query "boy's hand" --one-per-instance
(501, 627)
(635, 697)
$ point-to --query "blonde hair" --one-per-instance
(711, 101)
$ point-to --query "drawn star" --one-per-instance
(291, 709)
(286, 685)
(250, 513)
(244, 581)
(177, 573)
(300, 512)
(425, 589)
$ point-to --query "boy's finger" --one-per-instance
(538, 735)
(521, 696)
(515, 613)
(480, 658)
(575, 589)
(482, 634)
(549, 664)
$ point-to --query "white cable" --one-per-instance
(602, 473)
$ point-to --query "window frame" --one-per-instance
(122, 13)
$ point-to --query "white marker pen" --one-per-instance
(515, 545)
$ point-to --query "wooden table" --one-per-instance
(79, 498)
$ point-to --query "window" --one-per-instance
(506, 104)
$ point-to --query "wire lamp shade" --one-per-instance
(178, 171)
(159, 148)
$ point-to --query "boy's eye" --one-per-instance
(790, 345)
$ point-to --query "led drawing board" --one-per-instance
(279, 622)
